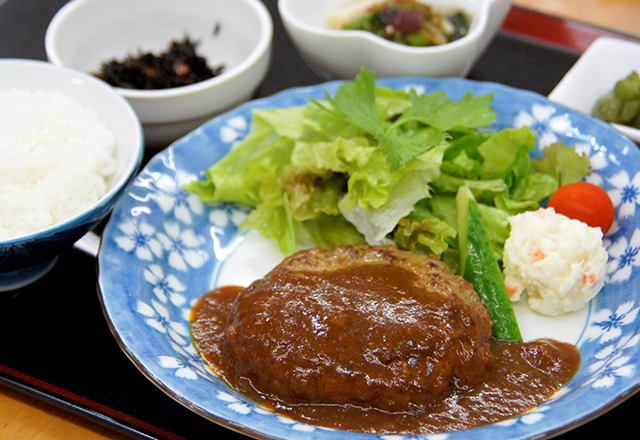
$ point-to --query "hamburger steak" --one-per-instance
(369, 326)
(374, 327)
(372, 339)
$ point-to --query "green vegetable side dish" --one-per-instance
(382, 166)
(621, 105)
(481, 268)
(411, 23)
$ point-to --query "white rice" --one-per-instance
(55, 157)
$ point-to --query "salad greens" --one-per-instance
(381, 166)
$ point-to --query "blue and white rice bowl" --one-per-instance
(25, 258)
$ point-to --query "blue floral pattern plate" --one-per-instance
(163, 248)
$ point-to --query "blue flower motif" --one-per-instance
(165, 287)
(626, 194)
(234, 131)
(623, 257)
(532, 417)
(182, 369)
(597, 160)
(607, 324)
(186, 365)
(235, 404)
(295, 425)
(224, 215)
(168, 193)
(610, 363)
(139, 239)
(181, 245)
(159, 318)
(544, 122)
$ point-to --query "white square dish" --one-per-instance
(605, 61)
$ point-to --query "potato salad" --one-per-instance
(560, 262)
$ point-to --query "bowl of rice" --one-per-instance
(69, 146)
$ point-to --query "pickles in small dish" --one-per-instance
(621, 105)
(411, 23)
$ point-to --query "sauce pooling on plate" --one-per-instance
(376, 340)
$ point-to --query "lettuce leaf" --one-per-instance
(424, 232)
(251, 168)
(410, 185)
(564, 164)
(379, 166)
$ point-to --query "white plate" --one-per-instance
(605, 61)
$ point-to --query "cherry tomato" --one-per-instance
(585, 202)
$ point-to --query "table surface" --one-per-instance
(619, 15)
(45, 390)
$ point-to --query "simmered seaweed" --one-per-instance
(179, 66)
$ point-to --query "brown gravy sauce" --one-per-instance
(523, 376)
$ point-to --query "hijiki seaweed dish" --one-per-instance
(180, 65)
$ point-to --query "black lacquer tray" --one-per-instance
(55, 343)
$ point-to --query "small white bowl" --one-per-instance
(86, 33)
(25, 259)
(339, 54)
(596, 72)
